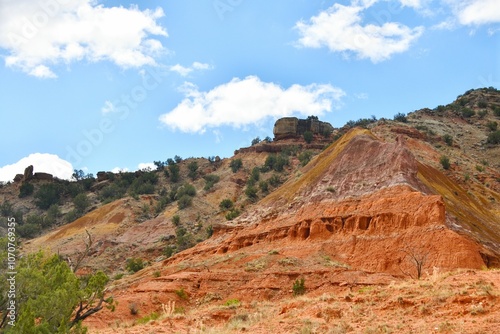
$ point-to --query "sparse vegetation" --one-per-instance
(226, 204)
(255, 141)
(448, 139)
(299, 287)
(173, 172)
(232, 214)
(193, 170)
(305, 157)
(26, 189)
(468, 113)
(494, 137)
(181, 293)
(47, 195)
(492, 125)
(210, 181)
(135, 264)
(235, 165)
(276, 162)
(445, 162)
(400, 117)
(308, 136)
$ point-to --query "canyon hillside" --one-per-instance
(381, 225)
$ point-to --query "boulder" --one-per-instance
(18, 178)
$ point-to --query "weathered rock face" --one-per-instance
(361, 203)
(289, 127)
(43, 176)
(18, 177)
(28, 173)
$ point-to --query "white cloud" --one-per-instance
(42, 162)
(340, 29)
(117, 170)
(478, 12)
(248, 101)
(146, 166)
(40, 34)
(184, 71)
(108, 107)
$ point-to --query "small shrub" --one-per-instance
(305, 157)
(448, 139)
(479, 168)
(181, 294)
(168, 251)
(184, 202)
(176, 220)
(28, 230)
(496, 111)
(156, 274)
(173, 172)
(494, 137)
(299, 287)
(210, 181)
(135, 264)
(445, 162)
(232, 214)
(467, 112)
(482, 104)
(210, 231)
(81, 202)
(47, 195)
(400, 117)
(492, 126)
(232, 303)
(177, 159)
(193, 169)
(308, 136)
(255, 141)
(26, 189)
(251, 193)
(118, 276)
(148, 318)
(330, 189)
(226, 204)
(235, 165)
(274, 180)
(264, 186)
(72, 215)
(482, 113)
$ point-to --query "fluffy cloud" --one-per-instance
(184, 71)
(146, 166)
(42, 162)
(40, 34)
(117, 170)
(478, 12)
(340, 29)
(247, 101)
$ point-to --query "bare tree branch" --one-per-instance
(88, 245)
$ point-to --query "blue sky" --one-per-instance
(110, 85)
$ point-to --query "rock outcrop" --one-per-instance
(291, 127)
(28, 173)
(43, 176)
